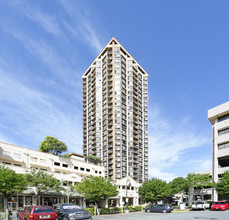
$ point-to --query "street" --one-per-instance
(201, 215)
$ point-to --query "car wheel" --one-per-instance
(65, 218)
(164, 211)
(148, 210)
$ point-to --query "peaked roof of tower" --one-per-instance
(123, 49)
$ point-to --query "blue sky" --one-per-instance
(46, 46)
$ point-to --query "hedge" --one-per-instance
(91, 210)
(110, 210)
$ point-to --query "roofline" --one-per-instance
(14, 145)
(218, 111)
(113, 39)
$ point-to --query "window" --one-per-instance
(56, 164)
(225, 131)
(81, 168)
(223, 146)
(224, 117)
(7, 163)
(100, 172)
(18, 165)
(33, 159)
(17, 155)
(43, 210)
(76, 168)
(88, 170)
(20, 201)
(96, 171)
(65, 165)
(5, 153)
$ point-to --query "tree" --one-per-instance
(93, 159)
(154, 190)
(222, 187)
(178, 185)
(43, 182)
(11, 183)
(198, 181)
(96, 188)
(52, 145)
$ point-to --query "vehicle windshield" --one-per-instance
(72, 207)
(43, 210)
(219, 203)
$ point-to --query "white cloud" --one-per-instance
(57, 63)
(83, 27)
(47, 22)
(168, 143)
(35, 115)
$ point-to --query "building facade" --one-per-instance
(69, 171)
(219, 118)
(115, 113)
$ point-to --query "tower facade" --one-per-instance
(115, 113)
(219, 118)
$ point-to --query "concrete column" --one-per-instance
(106, 203)
(120, 202)
(84, 203)
(215, 164)
(137, 200)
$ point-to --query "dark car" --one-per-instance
(71, 212)
(159, 208)
(37, 212)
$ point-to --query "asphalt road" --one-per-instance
(191, 215)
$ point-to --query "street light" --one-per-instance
(128, 183)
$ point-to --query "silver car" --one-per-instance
(66, 211)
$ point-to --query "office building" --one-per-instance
(115, 113)
(219, 118)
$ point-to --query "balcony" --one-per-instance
(39, 162)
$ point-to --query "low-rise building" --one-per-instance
(128, 194)
(69, 171)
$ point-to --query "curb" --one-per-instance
(182, 210)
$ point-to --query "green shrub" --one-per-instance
(137, 208)
(134, 208)
(117, 209)
(130, 208)
(91, 210)
(110, 210)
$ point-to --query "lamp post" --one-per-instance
(128, 183)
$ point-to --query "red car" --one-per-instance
(220, 205)
(37, 212)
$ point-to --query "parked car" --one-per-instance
(71, 212)
(200, 205)
(159, 208)
(37, 212)
(220, 205)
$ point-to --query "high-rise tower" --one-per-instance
(115, 113)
